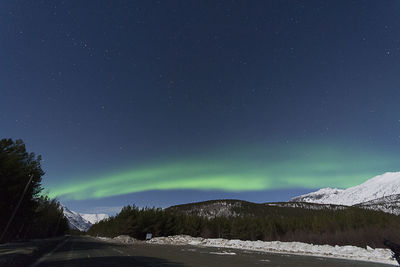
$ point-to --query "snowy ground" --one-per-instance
(379, 255)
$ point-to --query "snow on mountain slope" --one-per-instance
(379, 186)
(82, 221)
(75, 220)
(94, 218)
(319, 196)
(307, 205)
(388, 204)
(210, 209)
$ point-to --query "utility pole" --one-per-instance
(16, 208)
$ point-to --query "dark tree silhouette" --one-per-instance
(20, 202)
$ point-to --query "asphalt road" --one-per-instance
(87, 251)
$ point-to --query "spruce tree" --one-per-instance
(20, 185)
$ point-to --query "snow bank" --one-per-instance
(102, 238)
(125, 239)
(223, 253)
(346, 252)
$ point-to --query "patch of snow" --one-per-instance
(223, 253)
(104, 238)
(124, 239)
(379, 255)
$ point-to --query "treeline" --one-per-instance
(352, 226)
(24, 213)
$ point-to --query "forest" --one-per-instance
(350, 226)
(25, 213)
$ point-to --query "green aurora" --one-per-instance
(243, 170)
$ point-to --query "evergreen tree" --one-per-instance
(24, 213)
(17, 168)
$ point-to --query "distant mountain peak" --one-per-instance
(318, 196)
(94, 217)
(82, 221)
(380, 186)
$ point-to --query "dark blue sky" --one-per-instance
(100, 88)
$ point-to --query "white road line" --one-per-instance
(40, 260)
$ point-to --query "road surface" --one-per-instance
(88, 251)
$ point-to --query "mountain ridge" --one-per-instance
(82, 221)
(377, 187)
(381, 192)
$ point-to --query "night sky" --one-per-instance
(167, 102)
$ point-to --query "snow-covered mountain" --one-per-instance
(94, 217)
(75, 220)
(82, 221)
(321, 196)
(376, 193)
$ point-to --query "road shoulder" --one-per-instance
(25, 253)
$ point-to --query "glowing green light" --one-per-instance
(244, 170)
